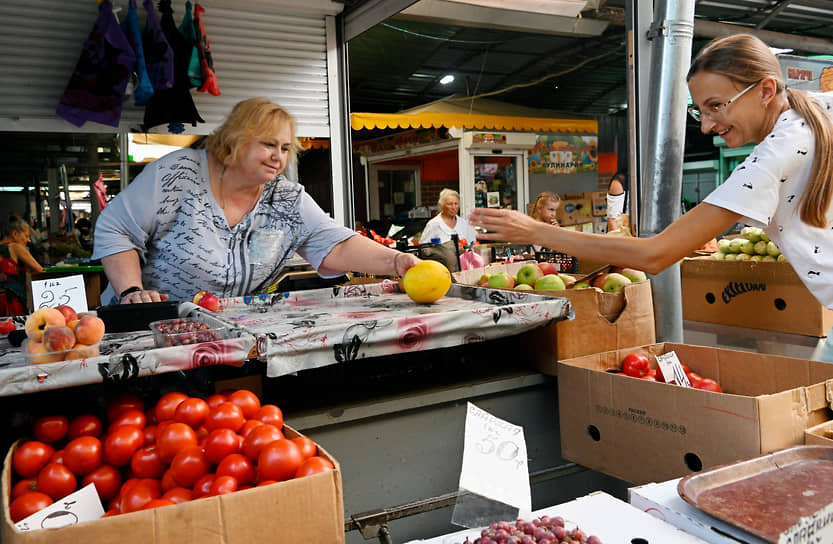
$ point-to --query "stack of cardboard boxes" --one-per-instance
(584, 212)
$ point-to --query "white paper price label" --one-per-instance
(494, 460)
(54, 292)
(814, 529)
(83, 505)
(672, 369)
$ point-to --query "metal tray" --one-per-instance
(765, 495)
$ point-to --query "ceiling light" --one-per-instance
(446, 79)
(565, 8)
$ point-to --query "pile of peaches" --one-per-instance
(60, 334)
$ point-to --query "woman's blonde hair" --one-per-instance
(252, 118)
(543, 197)
(745, 59)
(445, 193)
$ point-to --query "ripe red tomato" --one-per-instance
(225, 416)
(178, 495)
(279, 460)
(173, 438)
(220, 443)
(189, 465)
(635, 365)
(50, 429)
(239, 467)
(314, 465)
(166, 406)
(694, 379)
(135, 494)
(168, 481)
(121, 443)
(150, 435)
(130, 416)
(27, 504)
(248, 426)
(306, 445)
(57, 481)
(192, 412)
(30, 457)
(107, 480)
(271, 414)
(258, 438)
(83, 454)
(150, 415)
(157, 503)
(24, 486)
(203, 485)
(57, 457)
(222, 485)
(216, 400)
(247, 401)
(146, 462)
(123, 402)
(7, 326)
(85, 425)
(708, 384)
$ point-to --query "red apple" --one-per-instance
(548, 268)
(68, 311)
(207, 301)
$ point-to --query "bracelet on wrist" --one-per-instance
(132, 289)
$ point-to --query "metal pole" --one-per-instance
(672, 32)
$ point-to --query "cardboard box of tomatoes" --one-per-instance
(643, 431)
(603, 321)
(302, 509)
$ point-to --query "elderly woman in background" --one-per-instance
(224, 219)
(448, 221)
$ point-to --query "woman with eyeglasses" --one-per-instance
(784, 186)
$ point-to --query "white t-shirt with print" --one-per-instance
(766, 189)
(436, 228)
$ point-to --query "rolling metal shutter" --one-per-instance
(257, 50)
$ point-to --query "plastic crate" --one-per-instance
(566, 263)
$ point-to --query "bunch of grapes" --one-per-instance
(544, 530)
(177, 332)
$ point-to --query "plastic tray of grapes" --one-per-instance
(185, 330)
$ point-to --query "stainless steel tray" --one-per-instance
(765, 495)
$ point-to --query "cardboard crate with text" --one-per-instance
(603, 321)
(574, 209)
(297, 510)
(643, 431)
(763, 295)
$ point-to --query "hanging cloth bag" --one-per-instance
(186, 28)
(159, 56)
(95, 90)
(130, 26)
(209, 78)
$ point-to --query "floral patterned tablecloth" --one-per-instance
(298, 330)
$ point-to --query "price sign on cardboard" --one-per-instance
(672, 369)
(494, 460)
(83, 505)
(814, 529)
(54, 292)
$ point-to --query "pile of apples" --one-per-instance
(752, 245)
(545, 276)
(60, 334)
(637, 365)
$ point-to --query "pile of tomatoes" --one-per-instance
(178, 450)
(385, 240)
(637, 365)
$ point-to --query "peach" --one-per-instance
(40, 319)
(81, 351)
(68, 311)
(58, 338)
(37, 354)
(89, 330)
(72, 324)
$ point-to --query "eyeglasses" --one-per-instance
(716, 109)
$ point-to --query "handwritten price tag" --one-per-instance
(54, 292)
(814, 529)
(83, 505)
(494, 460)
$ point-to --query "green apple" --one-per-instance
(743, 256)
(483, 281)
(719, 255)
(724, 245)
(780, 258)
(764, 237)
(772, 249)
(748, 247)
(735, 245)
(756, 258)
(550, 282)
(731, 257)
(529, 274)
(753, 234)
(769, 259)
(760, 247)
(615, 283)
(501, 280)
(523, 287)
(566, 278)
(634, 275)
(581, 285)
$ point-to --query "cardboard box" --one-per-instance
(662, 501)
(598, 199)
(285, 511)
(575, 208)
(603, 321)
(642, 431)
(819, 435)
(766, 296)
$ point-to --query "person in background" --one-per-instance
(83, 227)
(546, 206)
(784, 186)
(617, 199)
(224, 219)
(448, 221)
(15, 260)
